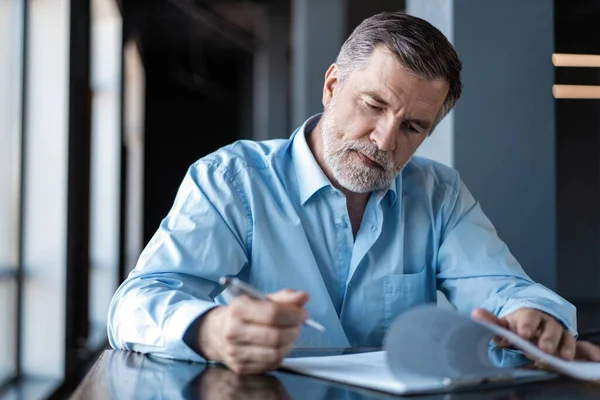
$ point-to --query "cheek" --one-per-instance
(354, 129)
(353, 125)
(359, 127)
(406, 148)
(400, 156)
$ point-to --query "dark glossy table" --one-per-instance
(125, 375)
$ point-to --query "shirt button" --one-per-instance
(373, 228)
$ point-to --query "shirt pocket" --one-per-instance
(403, 291)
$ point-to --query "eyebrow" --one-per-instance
(375, 96)
(421, 123)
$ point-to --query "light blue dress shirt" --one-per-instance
(266, 212)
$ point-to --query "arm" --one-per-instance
(476, 269)
(205, 235)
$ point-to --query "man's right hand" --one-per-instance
(253, 336)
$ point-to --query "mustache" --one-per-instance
(382, 158)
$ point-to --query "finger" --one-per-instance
(525, 322)
(267, 312)
(586, 351)
(567, 346)
(264, 335)
(290, 296)
(550, 338)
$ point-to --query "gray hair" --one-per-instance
(417, 45)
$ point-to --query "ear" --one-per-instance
(331, 82)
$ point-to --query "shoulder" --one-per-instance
(424, 172)
(243, 155)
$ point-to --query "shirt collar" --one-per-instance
(392, 191)
(311, 177)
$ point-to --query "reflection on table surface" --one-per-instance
(125, 375)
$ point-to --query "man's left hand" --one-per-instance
(543, 330)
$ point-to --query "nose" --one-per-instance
(384, 136)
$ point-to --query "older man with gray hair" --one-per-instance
(342, 211)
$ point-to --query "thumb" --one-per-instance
(290, 296)
(486, 316)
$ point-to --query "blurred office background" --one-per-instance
(105, 103)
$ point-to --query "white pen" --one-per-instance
(238, 287)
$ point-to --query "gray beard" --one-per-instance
(353, 175)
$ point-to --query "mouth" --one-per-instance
(368, 162)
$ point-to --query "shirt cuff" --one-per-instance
(190, 337)
(180, 324)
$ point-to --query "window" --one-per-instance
(45, 186)
(8, 312)
(11, 45)
(49, 221)
(106, 44)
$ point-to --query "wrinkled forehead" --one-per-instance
(384, 73)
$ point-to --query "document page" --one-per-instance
(438, 342)
(455, 346)
(427, 349)
(576, 369)
(369, 370)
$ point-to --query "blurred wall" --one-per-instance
(502, 132)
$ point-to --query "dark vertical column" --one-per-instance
(123, 190)
(577, 30)
(271, 74)
(22, 191)
(246, 99)
(318, 32)
(78, 196)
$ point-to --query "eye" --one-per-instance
(412, 128)
(370, 106)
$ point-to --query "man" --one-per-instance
(342, 212)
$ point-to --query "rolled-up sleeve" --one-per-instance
(205, 235)
(476, 269)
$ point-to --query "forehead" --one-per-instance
(387, 77)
